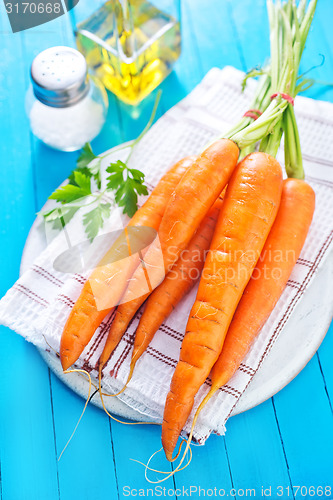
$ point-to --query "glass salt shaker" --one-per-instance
(66, 106)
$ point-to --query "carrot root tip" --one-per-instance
(80, 371)
(167, 474)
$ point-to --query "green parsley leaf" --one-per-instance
(70, 192)
(94, 220)
(86, 156)
(89, 164)
(82, 181)
(85, 171)
(127, 198)
(59, 217)
(127, 184)
(137, 175)
(116, 177)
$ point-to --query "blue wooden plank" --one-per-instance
(209, 468)
(250, 432)
(320, 43)
(251, 33)
(93, 437)
(213, 35)
(27, 439)
(305, 419)
(304, 408)
(86, 469)
(137, 442)
(255, 449)
(188, 70)
(26, 432)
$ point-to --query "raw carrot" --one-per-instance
(108, 281)
(188, 205)
(180, 279)
(249, 209)
(277, 259)
(279, 255)
(194, 196)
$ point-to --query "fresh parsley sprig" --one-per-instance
(84, 188)
(127, 183)
(86, 158)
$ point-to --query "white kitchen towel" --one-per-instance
(38, 304)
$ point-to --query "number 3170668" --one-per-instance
(33, 8)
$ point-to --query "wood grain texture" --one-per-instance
(26, 430)
(286, 441)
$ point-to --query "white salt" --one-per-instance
(69, 128)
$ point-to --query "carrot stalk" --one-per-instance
(108, 281)
(248, 212)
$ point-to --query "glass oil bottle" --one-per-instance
(131, 45)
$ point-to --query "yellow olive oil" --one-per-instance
(130, 45)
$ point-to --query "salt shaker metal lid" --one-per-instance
(59, 76)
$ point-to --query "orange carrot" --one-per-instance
(165, 297)
(269, 278)
(194, 196)
(188, 205)
(279, 255)
(249, 209)
(108, 281)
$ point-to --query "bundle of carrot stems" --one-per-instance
(226, 210)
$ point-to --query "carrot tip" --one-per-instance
(64, 363)
(167, 474)
(85, 373)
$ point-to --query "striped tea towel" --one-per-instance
(38, 304)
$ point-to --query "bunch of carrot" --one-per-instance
(236, 210)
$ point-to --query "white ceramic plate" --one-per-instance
(298, 342)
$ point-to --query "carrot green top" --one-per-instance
(289, 28)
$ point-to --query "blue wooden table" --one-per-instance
(286, 442)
